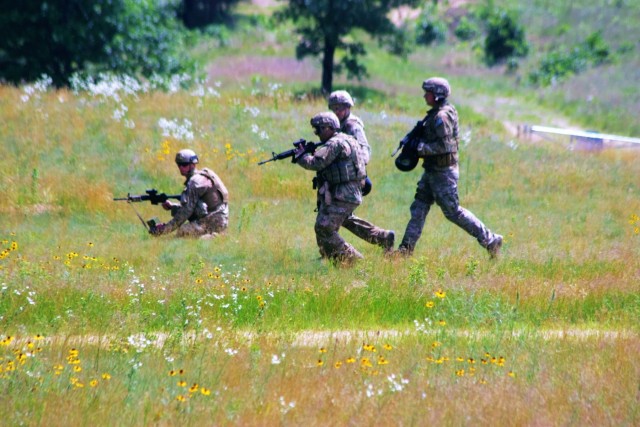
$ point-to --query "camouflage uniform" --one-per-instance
(439, 183)
(204, 203)
(353, 125)
(337, 197)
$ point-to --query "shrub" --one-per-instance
(505, 37)
(466, 29)
(558, 65)
(430, 28)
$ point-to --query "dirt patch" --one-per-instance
(278, 68)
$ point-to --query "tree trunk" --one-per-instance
(327, 65)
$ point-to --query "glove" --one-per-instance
(412, 144)
(301, 150)
(157, 230)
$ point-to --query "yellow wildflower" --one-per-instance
(365, 362)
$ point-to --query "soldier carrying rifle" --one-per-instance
(435, 139)
(340, 165)
(204, 202)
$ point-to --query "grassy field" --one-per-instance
(101, 323)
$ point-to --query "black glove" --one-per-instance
(303, 148)
(157, 230)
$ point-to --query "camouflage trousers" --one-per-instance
(329, 220)
(365, 230)
(440, 185)
(211, 225)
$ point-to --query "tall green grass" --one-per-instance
(271, 333)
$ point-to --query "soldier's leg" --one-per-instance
(419, 211)
(328, 222)
(216, 222)
(191, 229)
(367, 231)
(445, 187)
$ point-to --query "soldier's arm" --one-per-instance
(186, 208)
(322, 158)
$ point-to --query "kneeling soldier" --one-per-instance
(204, 202)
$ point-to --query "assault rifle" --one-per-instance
(410, 138)
(309, 147)
(151, 196)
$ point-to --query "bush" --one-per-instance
(558, 65)
(466, 29)
(430, 28)
(505, 38)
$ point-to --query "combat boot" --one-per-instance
(388, 242)
(494, 247)
(347, 259)
(404, 250)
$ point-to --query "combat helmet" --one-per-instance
(340, 97)
(438, 86)
(186, 156)
(325, 119)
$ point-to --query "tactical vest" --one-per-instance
(355, 120)
(219, 195)
(348, 169)
(448, 144)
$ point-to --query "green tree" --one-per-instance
(324, 26)
(62, 37)
(200, 13)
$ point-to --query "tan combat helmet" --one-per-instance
(186, 156)
(340, 97)
(325, 119)
(438, 86)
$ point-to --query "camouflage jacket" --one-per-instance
(354, 126)
(337, 149)
(439, 131)
(199, 198)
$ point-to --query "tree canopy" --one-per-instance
(62, 37)
(323, 26)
